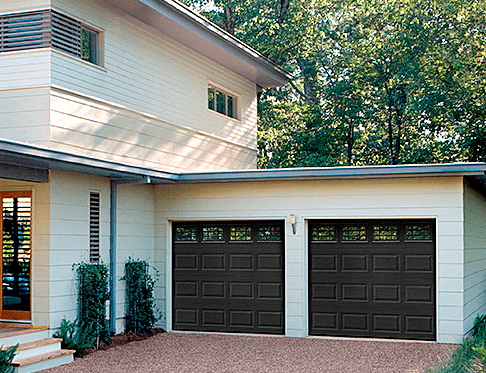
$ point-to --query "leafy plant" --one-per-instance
(93, 293)
(6, 357)
(479, 327)
(75, 337)
(141, 312)
(470, 355)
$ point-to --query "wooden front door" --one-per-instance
(16, 227)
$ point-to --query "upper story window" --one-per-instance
(49, 28)
(222, 102)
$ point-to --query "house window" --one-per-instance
(49, 28)
(89, 45)
(222, 102)
(94, 227)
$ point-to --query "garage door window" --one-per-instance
(385, 233)
(324, 233)
(418, 232)
(186, 234)
(213, 234)
(240, 234)
(269, 233)
(354, 233)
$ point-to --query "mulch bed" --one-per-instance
(122, 339)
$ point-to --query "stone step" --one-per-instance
(28, 349)
(43, 361)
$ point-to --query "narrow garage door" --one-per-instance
(372, 279)
(228, 277)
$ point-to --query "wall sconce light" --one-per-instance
(293, 223)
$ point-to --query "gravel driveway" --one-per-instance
(195, 353)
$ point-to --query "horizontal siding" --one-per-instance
(11, 6)
(474, 256)
(24, 115)
(148, 72)
(440, 198)
(69, 236)
(96, 128)
(25, 69)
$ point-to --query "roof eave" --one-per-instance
(197, 33)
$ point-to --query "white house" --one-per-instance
(128, 128)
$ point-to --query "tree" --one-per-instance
(374, 81)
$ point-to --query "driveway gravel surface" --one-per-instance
(215, 353)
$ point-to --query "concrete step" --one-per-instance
(43, 361)
(28, 349)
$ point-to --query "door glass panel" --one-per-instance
(17, 213)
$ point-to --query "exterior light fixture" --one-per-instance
(293, 223)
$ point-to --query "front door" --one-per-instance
(16, 227)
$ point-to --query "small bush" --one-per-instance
(479, 327)
(141, 313)
(6, 357)
(75, 337)
(470, 355)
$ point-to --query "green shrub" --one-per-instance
(75, 337)
(141, 313)
(470, 355)
(479, 325)
(93, 293)
(6, 357)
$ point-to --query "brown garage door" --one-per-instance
(228, 277)
(372, 278)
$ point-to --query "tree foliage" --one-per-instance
(374, 81)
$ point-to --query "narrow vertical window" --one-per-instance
(211, 98)
(94, 227)
(89, 45)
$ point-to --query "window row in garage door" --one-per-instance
(366, 278)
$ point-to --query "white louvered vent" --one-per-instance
(94, 227)
(23, 31)
(66, 34)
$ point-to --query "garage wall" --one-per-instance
(135, 235)
(439, 198)
(474, 256)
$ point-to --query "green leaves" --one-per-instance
(374, 81)
(141, 310)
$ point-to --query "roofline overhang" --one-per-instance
(30, 162)
(189, 28)
(40, 160)
(415, 170)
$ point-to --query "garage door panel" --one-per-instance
(376, 279)
(386, 263)
(229, 277)
(387, 323)
(212, 289)
(354, 292)
(386, 293)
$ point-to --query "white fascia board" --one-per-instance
(185, 26)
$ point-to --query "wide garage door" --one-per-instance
(228, 277)
(372, 278)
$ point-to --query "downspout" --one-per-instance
(113, 199)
